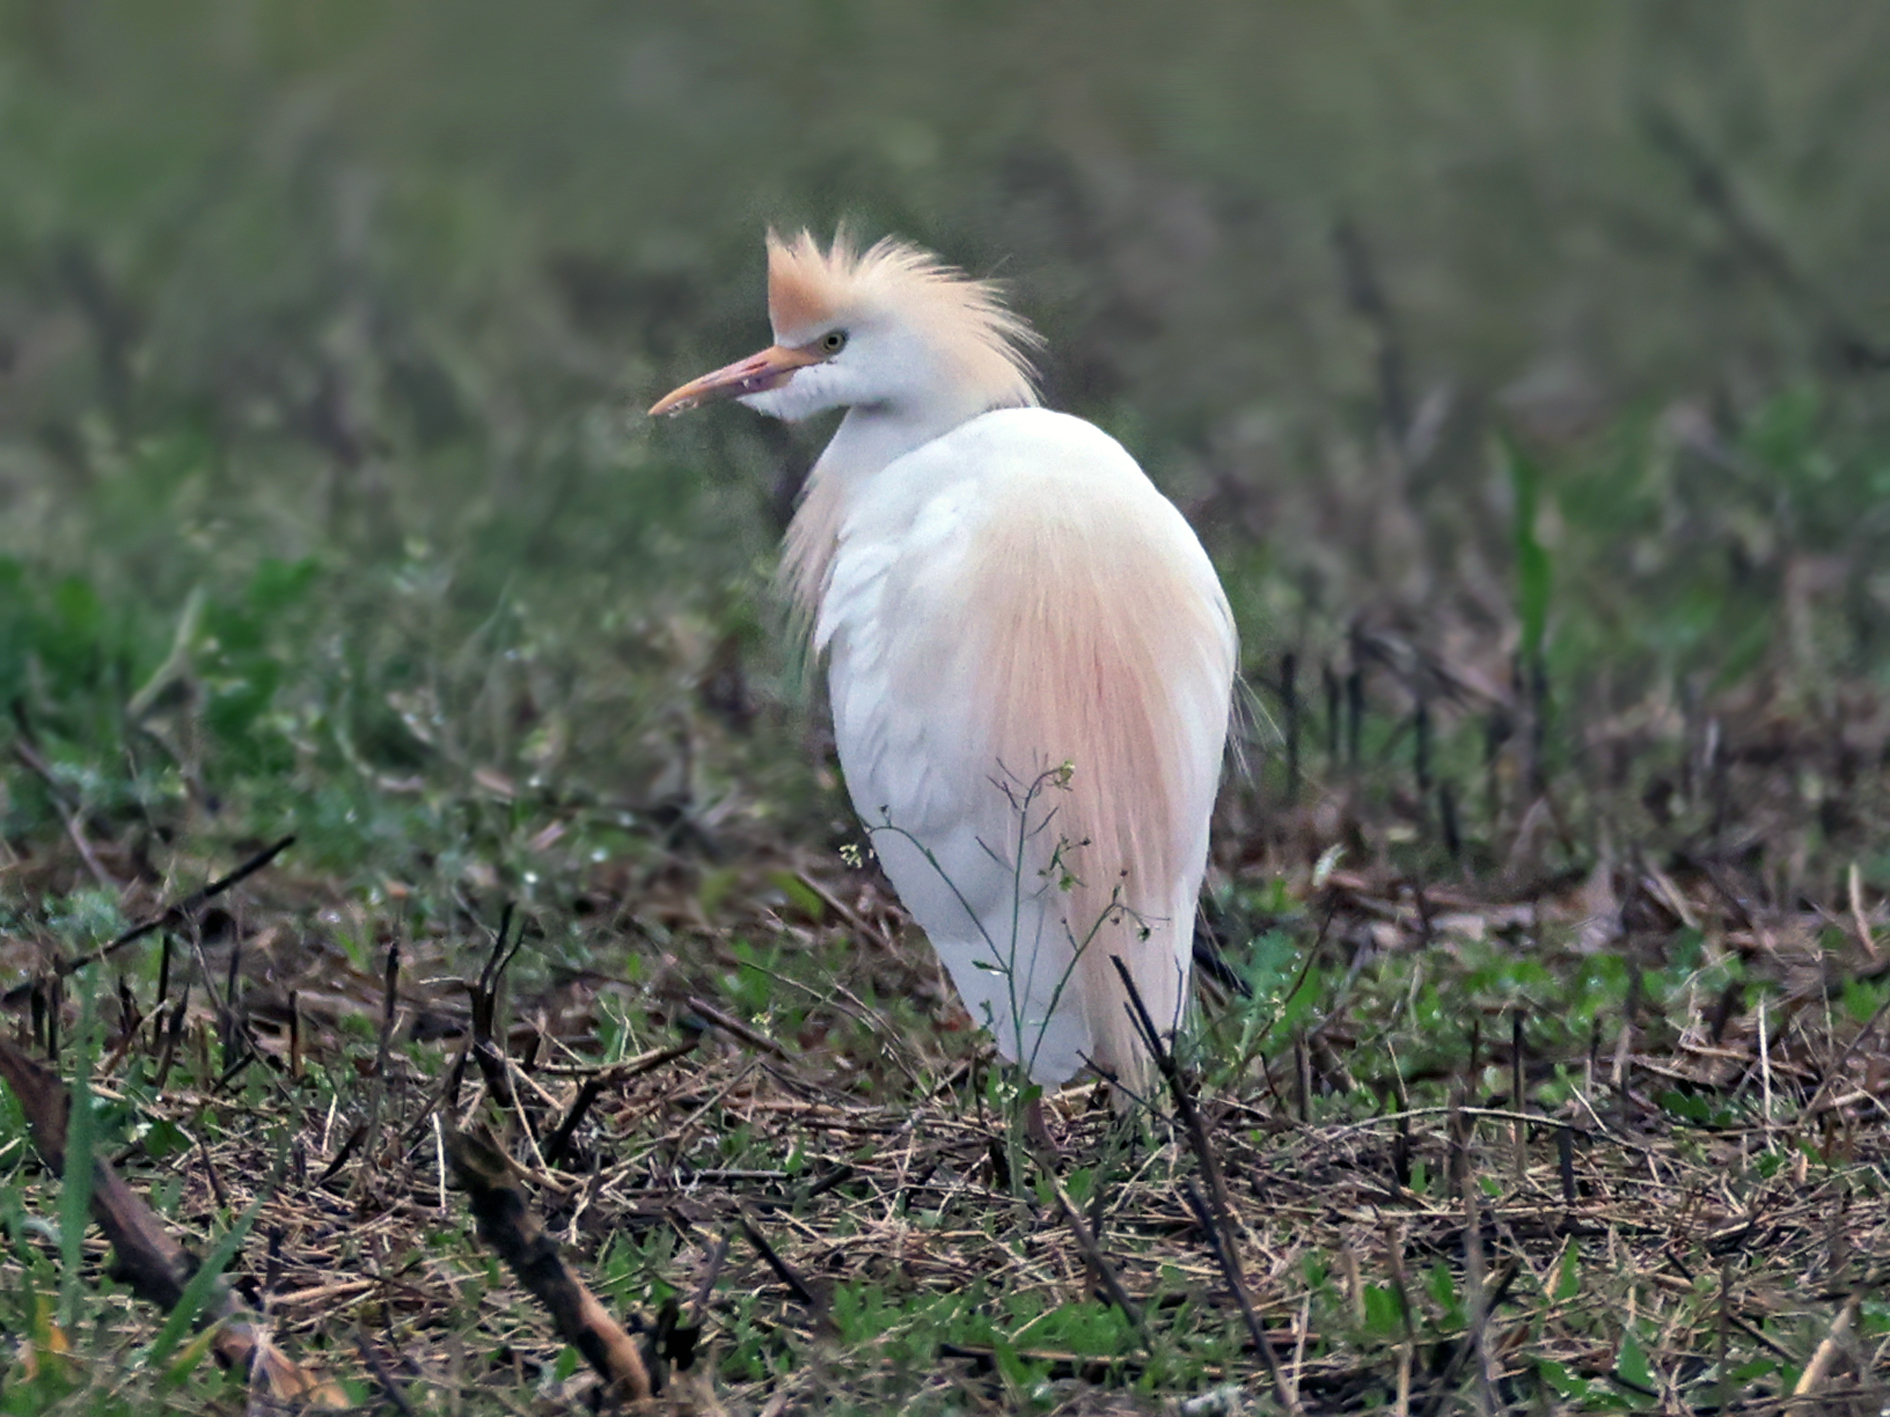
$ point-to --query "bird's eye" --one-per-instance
(833, 341)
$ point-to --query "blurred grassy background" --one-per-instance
(327, 504)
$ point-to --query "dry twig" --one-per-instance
(507, 1224)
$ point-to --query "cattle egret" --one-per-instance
(1029, 655)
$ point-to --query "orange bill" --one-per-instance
(769, 369)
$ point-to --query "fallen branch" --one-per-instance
(507, 1224)
(145, 1257)
(1828, 1349)
(783, 1271)
(179, 911)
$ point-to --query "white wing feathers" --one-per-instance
(1009, 598)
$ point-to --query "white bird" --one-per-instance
(1029, 655)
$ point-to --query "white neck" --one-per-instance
(873, 435)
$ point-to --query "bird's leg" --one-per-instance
(1037, 1130)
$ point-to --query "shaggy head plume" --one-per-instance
(965, 320)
